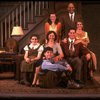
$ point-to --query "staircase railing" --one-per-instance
(22, 14)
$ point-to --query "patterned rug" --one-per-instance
(12, 88)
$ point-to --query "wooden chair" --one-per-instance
(11, 45)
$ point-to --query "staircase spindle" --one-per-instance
(9, 26)
(35, 8)
(13, 18)
(24, 16)
(1, 34)
(16, 16)
(28, 12)
(31, 13)
(5, 23)
(20, 15)
(39, 13)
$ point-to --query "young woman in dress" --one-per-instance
(32, 54)
(82, 36)
(53, 24)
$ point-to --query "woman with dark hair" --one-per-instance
(53, 24)
(51, 38)
(32, 54)
(51, 42)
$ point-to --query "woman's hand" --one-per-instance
(32, 60)
(28, 60)
(78, 41)
(64, 40)
(57, 58)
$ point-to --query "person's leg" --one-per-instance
(77, 65)
(24, 79)
(63, 62)
(92, 65)
(35, 79)
(94, 60)
(24, 73)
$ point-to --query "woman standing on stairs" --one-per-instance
(53, 24)
(33, 52)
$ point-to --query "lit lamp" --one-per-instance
(11, 44)
(17, 31)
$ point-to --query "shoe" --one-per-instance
(33, 85)
(27, 83)
(73, 85)
(79, 82)
(82, 84)
(90, 78)
(22, 82)
(37, 85)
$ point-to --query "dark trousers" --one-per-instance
(76, 64)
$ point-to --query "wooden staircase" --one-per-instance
(28, 14)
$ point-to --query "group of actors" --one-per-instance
(66, 42)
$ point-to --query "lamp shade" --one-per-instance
(17, 30)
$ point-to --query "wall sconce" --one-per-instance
(17, 31)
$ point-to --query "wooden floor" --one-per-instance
(10, 88)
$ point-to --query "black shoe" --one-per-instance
(27, 83)
(73, 85)
(22, 82)
(90, 78)
(37, 85)
(79, 82)
(33, 85)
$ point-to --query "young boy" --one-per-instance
(49, 62)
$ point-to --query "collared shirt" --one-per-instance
(26, 48)
(72, 15)
(71, 43)
(48, 65)
(40, 50)
(70, 40)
